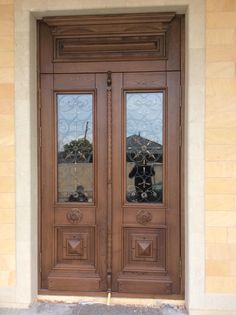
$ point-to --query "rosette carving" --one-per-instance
(74, 216)
(143, 217)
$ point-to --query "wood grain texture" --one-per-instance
(110, 247)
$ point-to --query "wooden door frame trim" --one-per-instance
(51, 22)
(103, 19)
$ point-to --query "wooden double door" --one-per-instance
(110, 173)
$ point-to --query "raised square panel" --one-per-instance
(144, 249)
(74, 246)
(111, 48)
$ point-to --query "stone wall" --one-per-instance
(220, 146)
(7, 145)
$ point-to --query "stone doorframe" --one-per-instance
(26, 14)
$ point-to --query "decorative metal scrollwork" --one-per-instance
(75, 147)
(143, 217)
(74, 216)
(144, 146)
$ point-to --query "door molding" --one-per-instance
(112, 37)
(167, 26)
(26, 149)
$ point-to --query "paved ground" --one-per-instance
(91, 309)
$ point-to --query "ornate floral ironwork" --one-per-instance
(143, 217)
(75, 146)
(144, 149)
(75, 128)
(74, 216)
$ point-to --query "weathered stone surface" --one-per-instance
(92, 309)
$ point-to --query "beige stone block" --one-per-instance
(216, 284)
(221, 218)
(220, 135)
(7, 246)
(216, 235)
(7, 184)
(7, 30)
(220, 103)
(6, 121)
(220, 186)
(232, 251)
(6, 75)
(7, 43)
(7, 107)
(220, 20)
(7, 262)
(12, 278)
(217, 202)
(7, 231)
(219, 152)
(217, 268)
(217, 252)
(7, 130)
(7, 137)
(7, 216)
(220, 53)
(217, 120)
(231, 237)
(217, 87)
(6, 124)
(6, 12)
(219, 169)
(220, 69)
(6, 92)
(7, 98)
(7, 169)
(7, 278)
(220, 37)
(6, 2)
(4, 278)
(232, 268)
(222, 5)
(7, 153)
(6, 59)
(7, 200)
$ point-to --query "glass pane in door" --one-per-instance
(75, 147)
(144, 147)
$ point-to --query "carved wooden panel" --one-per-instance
(74, 216)
(150, 285)
(118, 21)
(144, 248)
(75, 245)
(109, 48)
(84, 216)
(116, 37)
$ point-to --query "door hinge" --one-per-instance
(180, 267)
